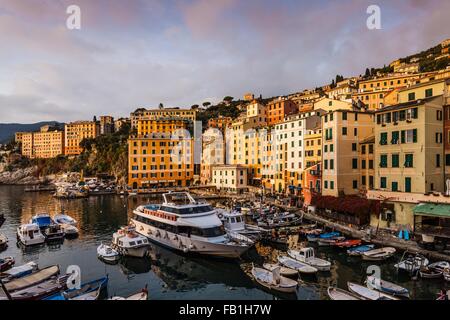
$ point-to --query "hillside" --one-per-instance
(7, 130)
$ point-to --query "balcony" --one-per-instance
(316, 173)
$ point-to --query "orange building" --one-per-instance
(311, 183)
(279, 108)
(76, 132)
(220, 123)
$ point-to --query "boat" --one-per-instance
(306, 255)
(280, 220)
(440, 265)
(43, 220)
(314, 237)
(284, 271)
(6, 263)
(30, 234)
(142, 295)
(412, 263)
(296, 265)
(87, 291)
(128, 242)
(107, 253)
(429, 273)
(446, 274)
(390, 288)
(368, 293)
(64, 219)
(330, 241)
(234, 222)
(378, 254)
(357, 251)
(3, 242)
(347, 243)
(32, 279)
(184, 224)
(340, 294)
(20, 271)
(69, 230)
(38, 291)
(54, 232)
(273, 280)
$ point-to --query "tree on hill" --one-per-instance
(161, 106)
(367, 74)
(206, 104)
(228, 99)
(194, 107)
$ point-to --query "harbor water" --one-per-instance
(168, 274)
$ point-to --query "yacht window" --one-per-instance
(144, 241)
(238, 219)
(233, 220)
(139, 242)
(132, 243)
(120, 243)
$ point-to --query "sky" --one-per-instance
(135, 53)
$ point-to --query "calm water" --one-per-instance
(169, 275)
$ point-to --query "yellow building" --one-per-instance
(47, 143)
(366, 156)
(409, 150)
(18, 136)
(155, 114)
(373, 99)
(386, 83)
(328, 104)
(75, 132)
(313, 147)
(342, 130)
(423, 90)
(146, 127)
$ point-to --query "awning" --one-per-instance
(432, 209)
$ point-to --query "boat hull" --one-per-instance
(186, 244)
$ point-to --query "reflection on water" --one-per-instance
(169, 275)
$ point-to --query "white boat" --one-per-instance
(128, 242)
(20, 271)
(107, 253)
(30, 234)
(329, 242)
(3, 241)
(386, 287)
(306, 255)
(143, 295)
(367, 293)
(440, 265)
(53, 232)
(64, 219)
(284, 271)
(273, 280)
(378, 254)
(69, 230)
(183, 224)
(234, 222)
(412, 264)
(340, 294)
(296, 265)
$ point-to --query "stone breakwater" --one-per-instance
(20, 177)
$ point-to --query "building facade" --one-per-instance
(75, 132)
(230, 178)
(45, 144)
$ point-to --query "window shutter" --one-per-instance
(415, 135)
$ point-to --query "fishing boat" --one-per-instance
(284, 271)
(20, 271)
(184, 224)
(306, 255)
(43, 220)
(315, 237)
(412, 263)
(128, 242)
(3, 242)
(340, 294)
(54, 232)
(6, 263)
(296, 265)
(107, 253)
(273, 280)
(378, 254)
(347, 243)
(357, 251)
(88, 291)
(387, 287)
(69, 230)
(64, 219)
(330, 241)
(39, 291)
(368, 293)
(32, 279)
(30, 234)
(440, 265)
(280, 220)
(142, 295)
(429, 273)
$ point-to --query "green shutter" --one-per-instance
(414, 135)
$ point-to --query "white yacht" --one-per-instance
(184, 224)
(129, 243)
(30, 234)
(234, 223)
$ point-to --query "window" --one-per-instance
(407, 184)
(344, 115)
(447, 159)
(331, 164)
(355, 184)
(325, 184)
(411, 96)
(363, 149)
(325, 164)
(394, 186)
(383, 161)
(438, 161)
(353, 146)
(355, 163)
(370, 148)
(363, 180)
(395, 137)
(383, 138)
(331, 148)
(409, 160)
(439, 115)
(331, 117)
(356, 116)
(438, 137)
(370, 164)
(331, 185)
(409, 136)
(383, 182)
(344, 131)
(428, 93)
(395, 161)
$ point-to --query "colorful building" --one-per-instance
(230, 178)
(75, 132)
(155, 114)
(278, 109)
(47, 143)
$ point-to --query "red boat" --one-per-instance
(347, 243)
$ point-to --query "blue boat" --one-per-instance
(328, 235)
(357, 251)
(43, 220)
(88, 291)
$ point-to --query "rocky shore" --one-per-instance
(20, 177)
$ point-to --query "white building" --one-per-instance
(230, 178)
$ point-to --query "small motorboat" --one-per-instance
(30, 234)
(429, 273)
(6, 263)
(386, 287)
(107, 253)
(128, 242)
(378, 254)
(340, 294)
(357, 251)
(347, 243)
(412, 263)
(3, 242)
(296, 265)
(69, 230)
(64, 219)
(88, 291)
(329, 241)
(32, 279)
(273, 280)
(143, 295)
(440, 265)
(43, 220)
(368, 293)
(284, 271)
(54, 232)
(19, 271)
(328, 235)
(306, 255)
